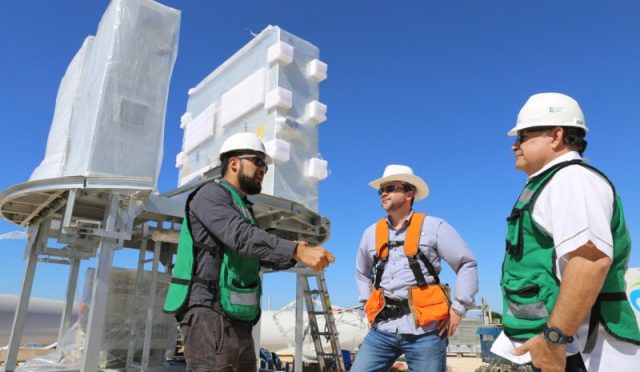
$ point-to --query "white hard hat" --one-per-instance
(402, 173)
(244, 142)
(549, 110)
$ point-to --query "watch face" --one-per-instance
(553, 335)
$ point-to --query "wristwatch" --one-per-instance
(555, 336)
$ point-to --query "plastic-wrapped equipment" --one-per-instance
(111, 103)
(269, 87)
(122, 298)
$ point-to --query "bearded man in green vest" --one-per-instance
(215, 289)
(567, 249)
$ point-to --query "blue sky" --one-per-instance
(434, 85)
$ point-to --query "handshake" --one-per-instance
(315, 257)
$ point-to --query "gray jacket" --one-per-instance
(215, 221)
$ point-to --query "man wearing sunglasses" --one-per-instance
(397, 266)
(567, 249)
(223, 300)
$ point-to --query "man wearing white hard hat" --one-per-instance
(567, 249)
(397, 273)
(216, 286)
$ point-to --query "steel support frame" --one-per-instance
(151, 301)
(67, 311)
(37, 238)
(97, 311)
(133, 335)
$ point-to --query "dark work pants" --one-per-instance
(214, 343)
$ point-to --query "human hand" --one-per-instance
(547, 357)
(316, 258)
(450, 325)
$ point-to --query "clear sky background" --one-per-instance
(431, 84)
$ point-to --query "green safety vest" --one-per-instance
(239, 286)
(529, 283)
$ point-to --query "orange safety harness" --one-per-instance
(426, 302)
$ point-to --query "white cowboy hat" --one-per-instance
(402, 173)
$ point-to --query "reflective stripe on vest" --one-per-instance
(529, 282)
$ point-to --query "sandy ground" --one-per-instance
(463, 364)
(454, 363)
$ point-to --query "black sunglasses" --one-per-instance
(256, 160)
(522, 138)
(391, 188)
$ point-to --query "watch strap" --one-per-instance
(561, 338)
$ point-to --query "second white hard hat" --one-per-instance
(549, 110)
(244, 142)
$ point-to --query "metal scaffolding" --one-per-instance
(94, 217)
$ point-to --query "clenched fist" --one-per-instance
(316, 258)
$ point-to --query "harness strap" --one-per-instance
(412, 236)
(411, 250)
(414, 265)
(595, 318)
(429, 266)
(382, 239)
(379, 270)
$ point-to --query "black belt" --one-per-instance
(393, 309)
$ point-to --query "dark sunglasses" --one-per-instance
(522, 135)
(256, 160)
(391, 188)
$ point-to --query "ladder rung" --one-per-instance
(313, 313)
(327, 354)
(324, 333)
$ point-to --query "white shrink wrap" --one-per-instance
(269, 87)
(67, 101)
(111, 104)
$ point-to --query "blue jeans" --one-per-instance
(379, 350)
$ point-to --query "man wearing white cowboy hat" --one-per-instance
(410, 312)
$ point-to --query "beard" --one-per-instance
(393, 205)
(249, 185)
(390, 206)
